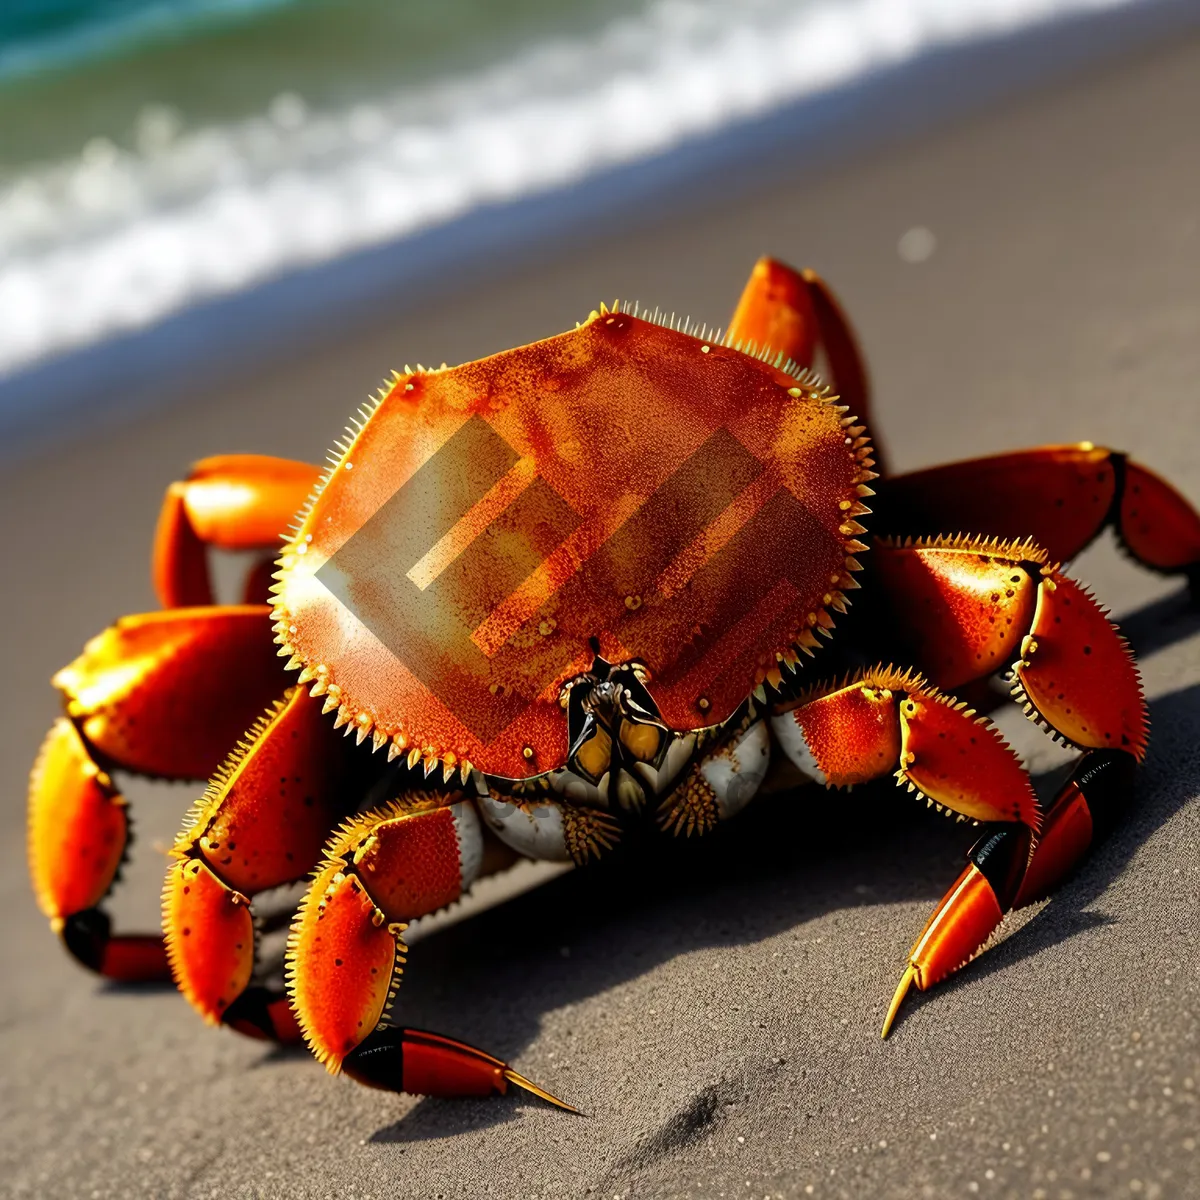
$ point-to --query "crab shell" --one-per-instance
(625, 489)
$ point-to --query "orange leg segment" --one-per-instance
(261, 824)
(346, 952)
(887, 721)
(1084, 811)
(1157, 525)
(967, 607)
(1061, 497)
(168, 693)
(233, 502)
(796, 314)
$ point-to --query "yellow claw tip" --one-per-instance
(521, 1082)
(910, 973)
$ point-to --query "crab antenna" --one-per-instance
(521, 1082)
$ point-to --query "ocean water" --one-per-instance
(157, 152)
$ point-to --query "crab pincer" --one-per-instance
(128, 697)
(1005, 870)
(346, 952)
(1077, 679)
(430, 1064)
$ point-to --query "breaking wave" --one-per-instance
(120, 236)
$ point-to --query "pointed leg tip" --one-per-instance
(520, 1081)
(906, 980)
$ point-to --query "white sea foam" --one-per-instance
(116, 239)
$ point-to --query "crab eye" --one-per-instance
(642, 741)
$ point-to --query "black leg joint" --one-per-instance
(1192, 574)
(85, 934)
(1105, 777)
(249, 1012)
(378, 1060)
(1001, 856)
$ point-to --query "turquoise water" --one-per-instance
(40, 35)
(74, 70)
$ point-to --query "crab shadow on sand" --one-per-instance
(789, 858)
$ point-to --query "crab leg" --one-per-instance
(153, 694)
(346, 952)
(887, 722)
(1061, 497)
(796, 314)
(1001, 875)
(967, 607)
(261, 824)
(233, 502)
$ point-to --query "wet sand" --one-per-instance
(716, 1010)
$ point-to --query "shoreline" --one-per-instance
(102, 384)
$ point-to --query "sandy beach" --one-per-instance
(714, 1009)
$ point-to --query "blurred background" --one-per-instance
(158, 155)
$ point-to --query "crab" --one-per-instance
(541, 597)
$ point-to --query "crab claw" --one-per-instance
(969, 913)
(430, 1064)
(346, 952)
(1006, 870)
(959, 926)
(78, 833)
(961, 923)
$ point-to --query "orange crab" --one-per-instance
(567, 587)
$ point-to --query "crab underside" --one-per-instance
(539, 598)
